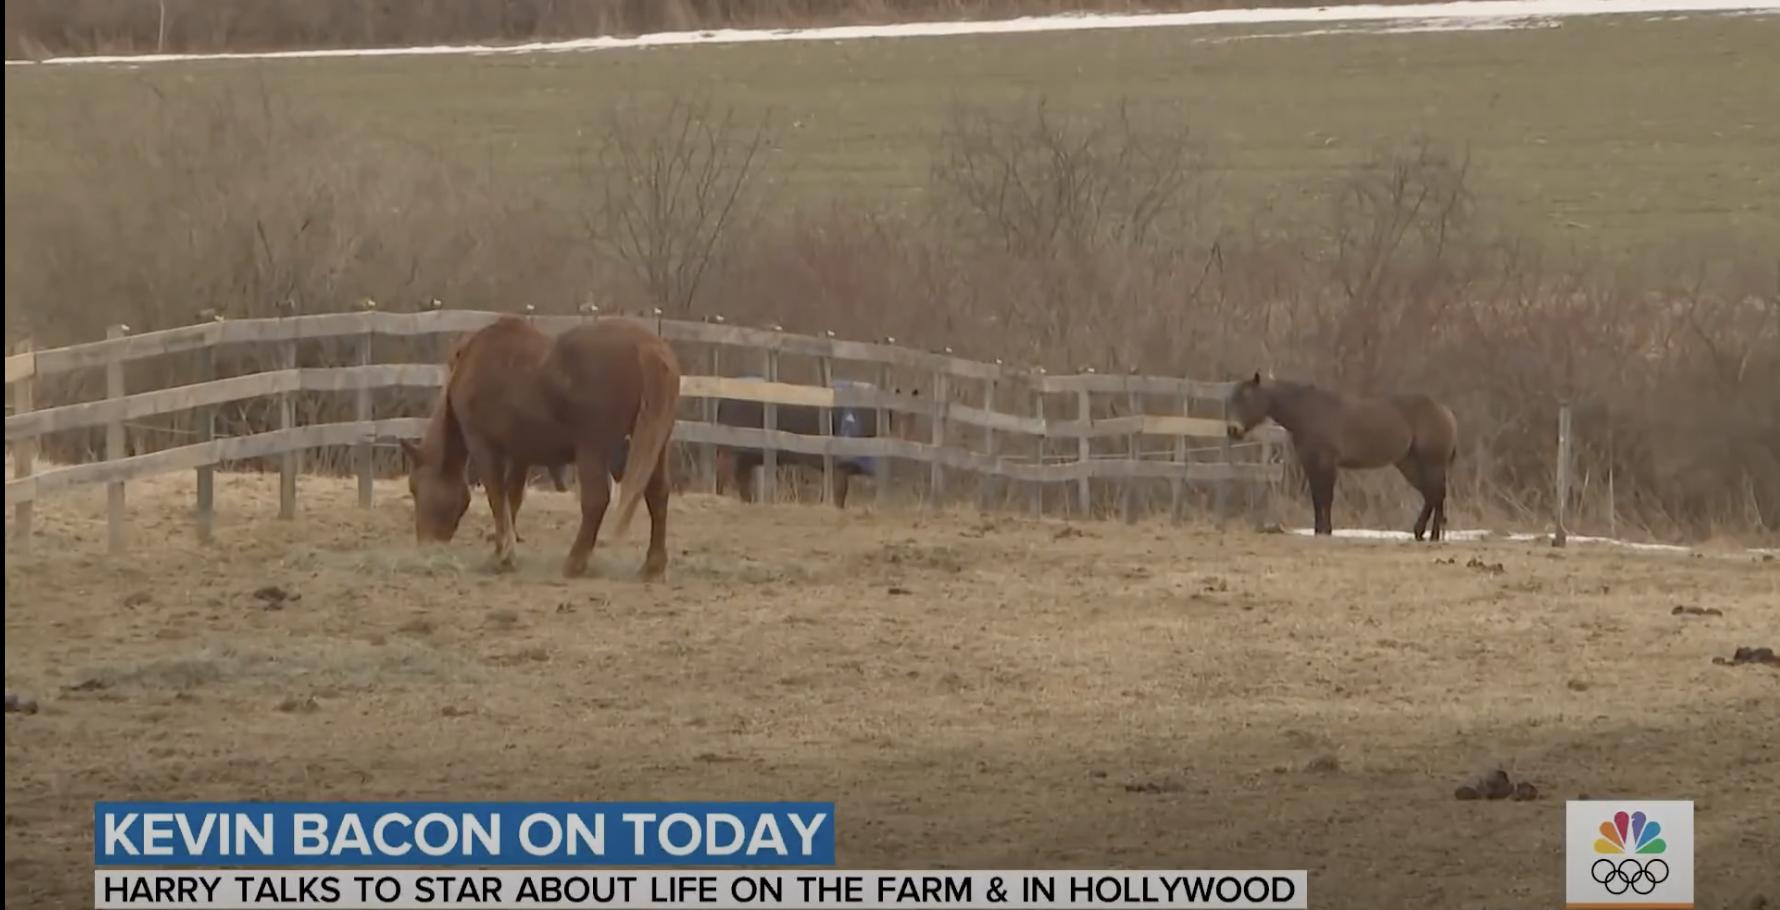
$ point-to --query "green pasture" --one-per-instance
(1616, 131)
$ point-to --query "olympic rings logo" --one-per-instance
(1629, 875)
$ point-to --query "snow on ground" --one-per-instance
(1476, 535)
(1471, 14)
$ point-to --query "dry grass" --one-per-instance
(981, 692)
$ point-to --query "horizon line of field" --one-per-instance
(1480, 14)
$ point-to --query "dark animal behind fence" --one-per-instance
(1332, 431)
(736, 464)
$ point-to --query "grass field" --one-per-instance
(973, 692)
(1622, 131)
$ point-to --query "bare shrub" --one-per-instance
(669, 189)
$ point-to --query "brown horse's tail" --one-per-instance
(656, 407)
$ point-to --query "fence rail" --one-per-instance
(949, 379)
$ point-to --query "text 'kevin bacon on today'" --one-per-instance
(220, 856)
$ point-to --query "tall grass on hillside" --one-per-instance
(1051, 237)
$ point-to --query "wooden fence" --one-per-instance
(959, 413)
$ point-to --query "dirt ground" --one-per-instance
(972, 691)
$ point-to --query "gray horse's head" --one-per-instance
(1250, 403)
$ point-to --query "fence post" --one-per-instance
(936, 477)
(1228, 452)
(990, 486)
(366, 454)
(1039, 441)
(826, 365)
(1560, 535)
(881, 480)
(1177, 486)
(114, 445)
(769, 463)
(287, 420)
(1084, 412)
(24, 453)
(1134, 452)
(205, 506)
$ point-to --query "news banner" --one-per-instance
(222, 856)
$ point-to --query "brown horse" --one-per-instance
(1332, 430)
(516, 399)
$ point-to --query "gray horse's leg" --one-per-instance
(1410, 467)
(1320, 473)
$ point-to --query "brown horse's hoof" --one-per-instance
(575, 569)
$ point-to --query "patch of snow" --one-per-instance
(1476, 535)
(1467, 14)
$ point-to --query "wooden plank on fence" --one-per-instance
(768, 392)
(345, 434)
(114, 449)
(183, 458)
(444, 321)
(24, 452)
(221, 391)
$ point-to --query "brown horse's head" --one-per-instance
(441, 495)
(1250, 404)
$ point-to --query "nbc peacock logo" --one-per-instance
(1637, 834)
(1630, 863)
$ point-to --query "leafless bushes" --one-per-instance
(671, 188)
(1057, 239)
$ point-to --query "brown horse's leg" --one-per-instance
(655, 497)
(1410, 468)
(596, 494)
(518, 478)
(494, 485)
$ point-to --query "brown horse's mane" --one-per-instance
(1291, 403)
(443, 442)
